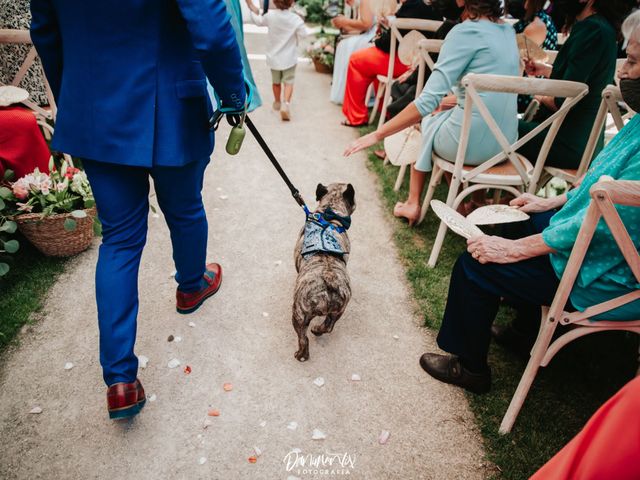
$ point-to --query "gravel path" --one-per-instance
(244, 336)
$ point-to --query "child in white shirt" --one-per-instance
(286, 29)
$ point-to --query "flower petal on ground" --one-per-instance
(142, 361)
(383, 437)
(318, 435)
(292, 425)
(68, 366)
(355, 377)
(319, 382)
(173, 363)
(36, 410)
(227, 387)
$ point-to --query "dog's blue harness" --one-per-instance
(322, 236)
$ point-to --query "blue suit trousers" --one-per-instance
(122, 199)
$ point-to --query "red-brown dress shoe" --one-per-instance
(190, 302)
(125, 399)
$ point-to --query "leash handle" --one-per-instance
(294, 191)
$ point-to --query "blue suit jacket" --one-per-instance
(129, 76)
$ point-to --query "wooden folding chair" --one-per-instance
(508, 170)
(427, 49)
(604, 196)
(384, 82)
(22, 37)
(609, 108)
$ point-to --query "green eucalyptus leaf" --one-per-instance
(70, 224)
(12, 246)
(5, 193)
(8, 175)
(2, 204)
(9, 227)
(4, 269)
(153, 208)
(79, 214)
(89, 203)
(97, 228)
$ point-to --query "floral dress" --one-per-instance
(550, 43)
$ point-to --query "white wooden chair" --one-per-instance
(427, 48)
(605, 195)
(508, 170)
(385, 81)
(43, 115)
(609, 108)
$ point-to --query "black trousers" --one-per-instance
(476, 291)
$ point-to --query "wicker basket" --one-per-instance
(50, 237)
(321, 67)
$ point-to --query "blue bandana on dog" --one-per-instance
(322, 236)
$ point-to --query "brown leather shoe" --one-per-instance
(125, 400)
(190, 302)
(447, 369)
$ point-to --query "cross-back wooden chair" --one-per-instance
(18, 37)
(609, 108)
(605, 195)
(507, 170)
(428, 49)
(385, 81)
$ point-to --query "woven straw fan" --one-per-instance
(529, 50)
(408, 51)
(403, 148)
(487, 215)
(10, 95)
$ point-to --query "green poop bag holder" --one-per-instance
(237, 120)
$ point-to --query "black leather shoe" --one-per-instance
(511, 339)
(447, 369)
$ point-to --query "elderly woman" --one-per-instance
(525, 271)
(482, 43)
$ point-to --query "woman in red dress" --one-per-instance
(22, 146)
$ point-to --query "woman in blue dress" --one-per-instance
(482, 43)
(233, 7)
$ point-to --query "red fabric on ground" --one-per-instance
(608, 447)
(22, 146)
(364, 66)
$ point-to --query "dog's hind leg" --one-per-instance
(300, 325)
(327, 325)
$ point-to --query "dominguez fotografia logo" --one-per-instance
(328, 464)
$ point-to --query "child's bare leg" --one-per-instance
(288, 92)
(277, 92)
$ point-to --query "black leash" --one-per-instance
(267, 151)
(236, 121)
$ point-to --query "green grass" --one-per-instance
(23, 289)
(564, 395)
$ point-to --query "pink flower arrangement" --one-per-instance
(64, 190)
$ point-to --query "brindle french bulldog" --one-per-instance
(322, 287)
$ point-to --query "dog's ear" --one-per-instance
(321, 191)
(349, 195)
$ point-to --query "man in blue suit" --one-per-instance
(129, 78)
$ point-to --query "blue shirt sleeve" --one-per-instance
(46, 37)
(457, 51)
(215, 41)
